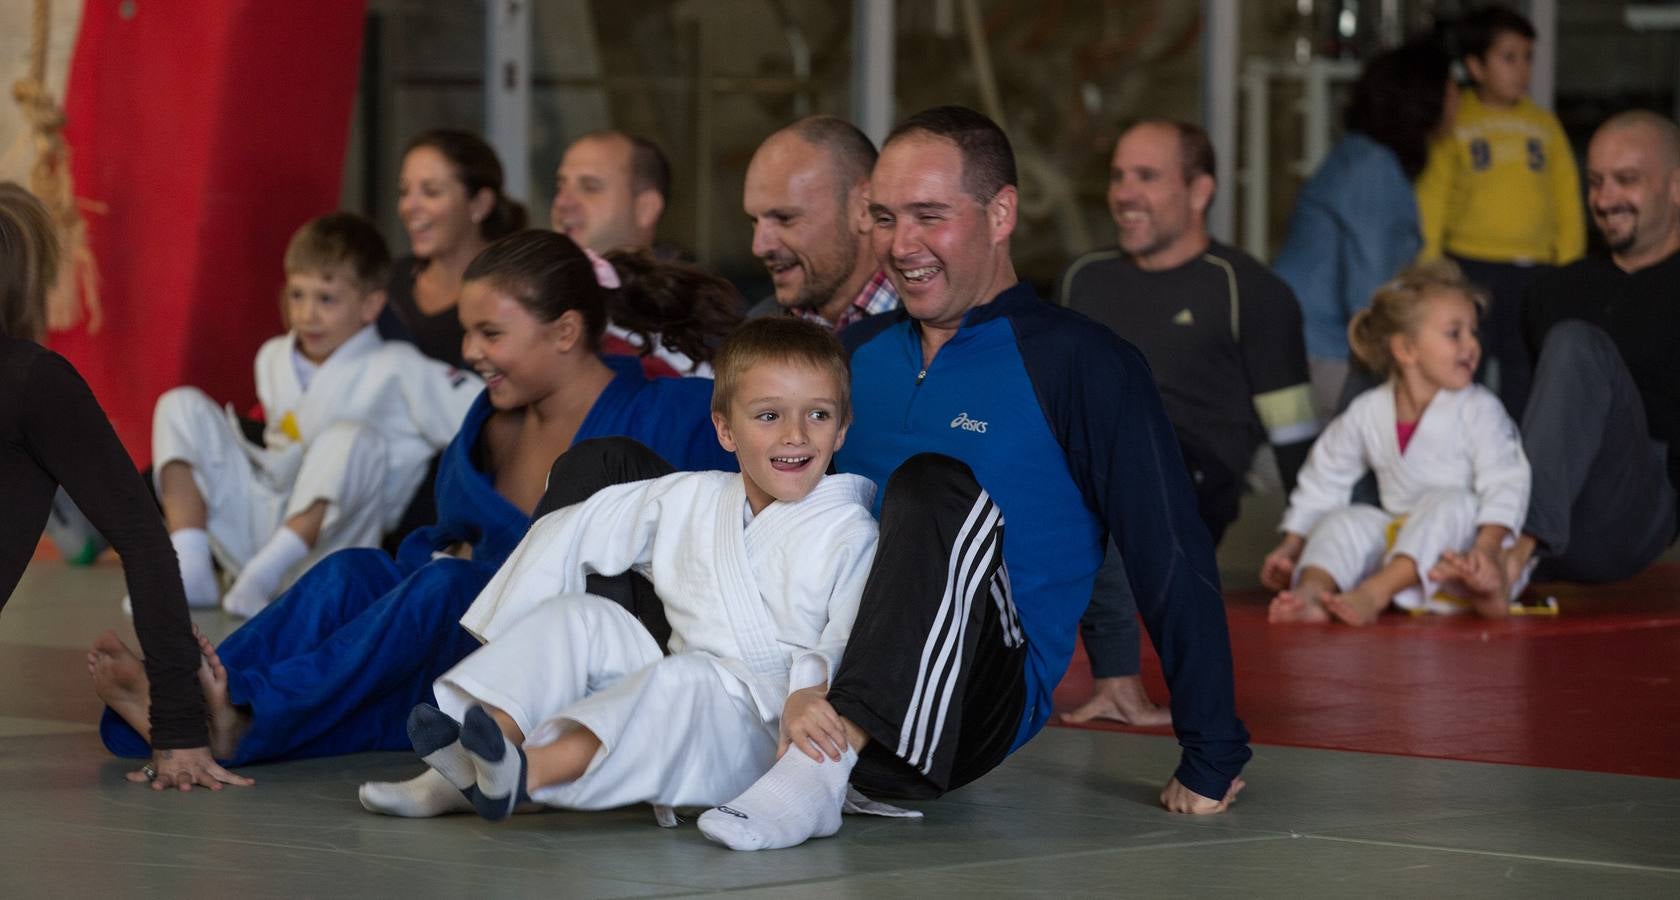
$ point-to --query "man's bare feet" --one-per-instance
(1122, 700)
(119, 678)
(1302, 605)
(228, 723)
(1360, 606)
(1180, 799)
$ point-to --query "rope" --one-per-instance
(50, 181)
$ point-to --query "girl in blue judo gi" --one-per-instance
(336, 663)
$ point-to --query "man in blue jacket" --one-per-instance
(1012, 437)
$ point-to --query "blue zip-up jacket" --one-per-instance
(1062, 424)
(1355, 226)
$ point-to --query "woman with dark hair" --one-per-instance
(450, 201)
(1355, 223)
(336, 663)
(53, 432)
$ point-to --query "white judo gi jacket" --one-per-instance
(360, 437)
(757, 609)
(1464, 440)
(413, 402)
(758, 596)
(1463, 468)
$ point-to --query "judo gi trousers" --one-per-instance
(334, 664)
(933, 672)
(344, 465)
(674, 730)
(1352, 543)
(1602, 508)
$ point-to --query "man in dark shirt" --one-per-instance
(1602, 425)
(1223, 337)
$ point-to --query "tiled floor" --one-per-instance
(1072, 814)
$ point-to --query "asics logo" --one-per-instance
(965, 423)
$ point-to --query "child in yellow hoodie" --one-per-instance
(1501, 194)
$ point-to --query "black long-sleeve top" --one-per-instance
(438, 335)
(1222, 335)
(52, 432)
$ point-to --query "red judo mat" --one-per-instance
(1596, 687)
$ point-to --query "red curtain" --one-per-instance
(202, 134)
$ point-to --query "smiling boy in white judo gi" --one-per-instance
(572, 703)
(352, 421)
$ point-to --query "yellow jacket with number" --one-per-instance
(1502, 187)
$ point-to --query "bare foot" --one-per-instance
(1519, 562)
(119, 678)
(1300, 605)
(1478, 579)
(228, 723)
(1122, 700)
(1360, 606)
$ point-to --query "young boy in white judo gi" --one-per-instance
(572, 702)
(352, 421)
(1450, 468)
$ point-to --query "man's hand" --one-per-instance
(1180, 799)
(181, 769)
(810, 724)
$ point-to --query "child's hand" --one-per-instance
(1279, 566)
(810, 724)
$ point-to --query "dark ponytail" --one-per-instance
(1399, 100)
(689, 311)
(506, 217)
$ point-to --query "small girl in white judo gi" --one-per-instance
(572, 703)
(1449, 465)
(352, 421)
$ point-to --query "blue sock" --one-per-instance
(498, 763)
(437, 740)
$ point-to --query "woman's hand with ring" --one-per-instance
(181, 769)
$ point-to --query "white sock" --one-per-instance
(798, 799)
(260, 578)
(198, 573)
(427, 794)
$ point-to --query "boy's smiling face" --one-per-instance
(784, 425)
